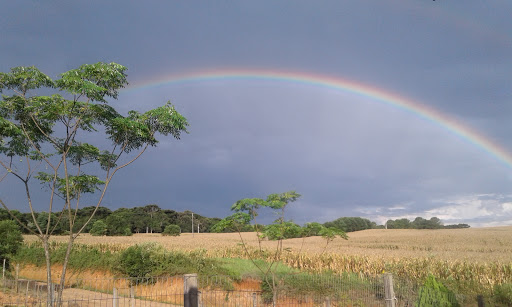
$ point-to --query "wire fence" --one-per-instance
(285, 290)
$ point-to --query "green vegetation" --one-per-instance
(421, 223)
(172, 230)
(64, 135)
(142, 260)
(10, 240)
(435, 294)
(349, 224)
(503, 294)
(99, 228)
(152, 219)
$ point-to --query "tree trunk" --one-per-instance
(47, 256)
(64, 267)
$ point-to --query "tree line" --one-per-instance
(421, 223)
(153, 219)
(123, 221)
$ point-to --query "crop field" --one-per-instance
(466, 258)
(475, 245)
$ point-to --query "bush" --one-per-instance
(435, 294)
(10, 239)
(99, 228)
(172, 230)
(503, 294)
(127, 232)
(138, 260)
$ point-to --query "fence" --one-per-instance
(205, 291)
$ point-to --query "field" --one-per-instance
(475, 245)
(469, 261)
(465, 258)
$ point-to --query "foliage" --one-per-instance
(349, 224)
(234, 222)
(99, 228)
(421, 223)
(503, 294)
(330, 233)
(10, 240)
(172, 230)
(281, 231)
(119, 222)
(150, 218)
(138, 260)
(312, 229)
(49, 132)
(435, 294)
(456, 226)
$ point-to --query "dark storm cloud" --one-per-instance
(345, 154)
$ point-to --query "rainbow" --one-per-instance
(379, 95)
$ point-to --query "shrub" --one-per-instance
(172, 230)
(10, 239)
(99, 228)
(138, 260)
(503, 294)
(435, 294)
(127, 232)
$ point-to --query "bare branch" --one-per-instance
(107, 182)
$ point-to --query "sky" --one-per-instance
(378, 109)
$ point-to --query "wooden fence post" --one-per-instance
(3, 270)
(115, 299)
(17, 276)
(132, 295)
(327, 302)
(480, 300)
(190, 290)
(389, 293)
(254, 300)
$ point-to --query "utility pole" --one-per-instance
(192, 224)
(198, 227)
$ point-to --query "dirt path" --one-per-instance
(79, 297)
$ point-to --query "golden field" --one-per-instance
(466, 256)
(473, 244)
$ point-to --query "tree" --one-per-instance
(99, 228)
(349, 224)
(43, 140)
(10, 239)
(250, 206)
(246, 210)
(119, 222)
(330, 233)
(312, 229)
(172, 230)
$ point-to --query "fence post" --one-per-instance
(115, 299)
(17, 276)
(327, 302)
(132, 295)
(480, 300)
(254, 300)
(190, 290)
(389, 293)
(3, 271)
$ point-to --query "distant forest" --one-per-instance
(152, 219)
